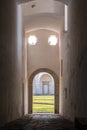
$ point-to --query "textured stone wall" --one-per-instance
(74, 55)
(10, 61)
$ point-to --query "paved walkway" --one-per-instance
(40, 122)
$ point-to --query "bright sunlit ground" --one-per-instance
(43, 104)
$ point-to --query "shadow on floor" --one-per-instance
(40, 122)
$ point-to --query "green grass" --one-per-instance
(43, 104)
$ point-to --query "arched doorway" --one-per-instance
(56, 88)
(43, 97)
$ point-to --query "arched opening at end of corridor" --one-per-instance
(43, 93)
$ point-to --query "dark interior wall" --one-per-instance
(74, 55)
(10, 68)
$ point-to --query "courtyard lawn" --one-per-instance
(43, 104)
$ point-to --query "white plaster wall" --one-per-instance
(43, 55)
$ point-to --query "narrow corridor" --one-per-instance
(40, 122)
(43, 36)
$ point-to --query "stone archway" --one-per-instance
(56, 88)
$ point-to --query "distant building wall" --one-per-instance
(43, 84)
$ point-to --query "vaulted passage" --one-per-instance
(38, 36)
(43, 94)
(43, 98)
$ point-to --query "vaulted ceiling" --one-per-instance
(43, 14)
(23, 1)
(50, 14)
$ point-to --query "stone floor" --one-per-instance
(40, 122)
